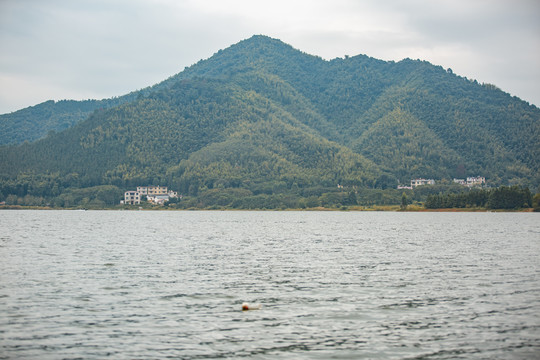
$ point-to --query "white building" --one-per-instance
(471, 181)
(154, 194)
(420, 182)
(400, 187)
(158, 199)
(132, 197)
(476, 181)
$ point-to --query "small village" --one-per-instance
(157, 195)
(470, 182)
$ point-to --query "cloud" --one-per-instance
(76, 49)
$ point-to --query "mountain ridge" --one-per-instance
(208, 70)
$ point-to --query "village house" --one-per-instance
(404, 187)
(476, 181)
(471, 181)
(132, 198)
(415, 183)
(152, 190)
(154, 194)
(420, 182)
(158, 199)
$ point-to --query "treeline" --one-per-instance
(65, 192)
(96, 197)
(295, 198)
(504, 197)
(53, 190)
(56, 192)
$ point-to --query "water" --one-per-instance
(343, 285)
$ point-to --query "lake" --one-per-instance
(333, 285)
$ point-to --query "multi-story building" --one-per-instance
(132, 197)
(154, 194)
(152, 190)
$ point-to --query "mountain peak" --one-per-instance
(261, 43)
(261, 40)
(258, 52)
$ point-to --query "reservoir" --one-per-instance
(343, 285)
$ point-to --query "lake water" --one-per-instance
(343, 285)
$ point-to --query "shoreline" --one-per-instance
(381, 208)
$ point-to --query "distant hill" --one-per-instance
(35, 122)
(267, 118)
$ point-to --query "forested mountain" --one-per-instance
(35, 122)
(264, 118)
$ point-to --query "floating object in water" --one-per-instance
(246, 306)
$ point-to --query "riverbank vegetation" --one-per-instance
(279, 197)
(504, 197)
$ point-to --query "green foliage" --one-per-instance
(536, 202)
(404, 201)
(513, 197)
(414, 148)
(504, 197)
(94, 197)
(47, 118)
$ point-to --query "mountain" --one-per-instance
(262, 118)
(37, 121)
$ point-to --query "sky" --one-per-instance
(95, 49)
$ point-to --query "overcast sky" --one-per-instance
(81, 49)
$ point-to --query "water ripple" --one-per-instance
(333, 285)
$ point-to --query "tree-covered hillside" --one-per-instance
(35, 122)
(265, 118)
(196, 132)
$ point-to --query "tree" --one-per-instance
(536, 202)
(351, 199)
(509, 197)
(404, 201)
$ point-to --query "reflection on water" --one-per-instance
(345, 285)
